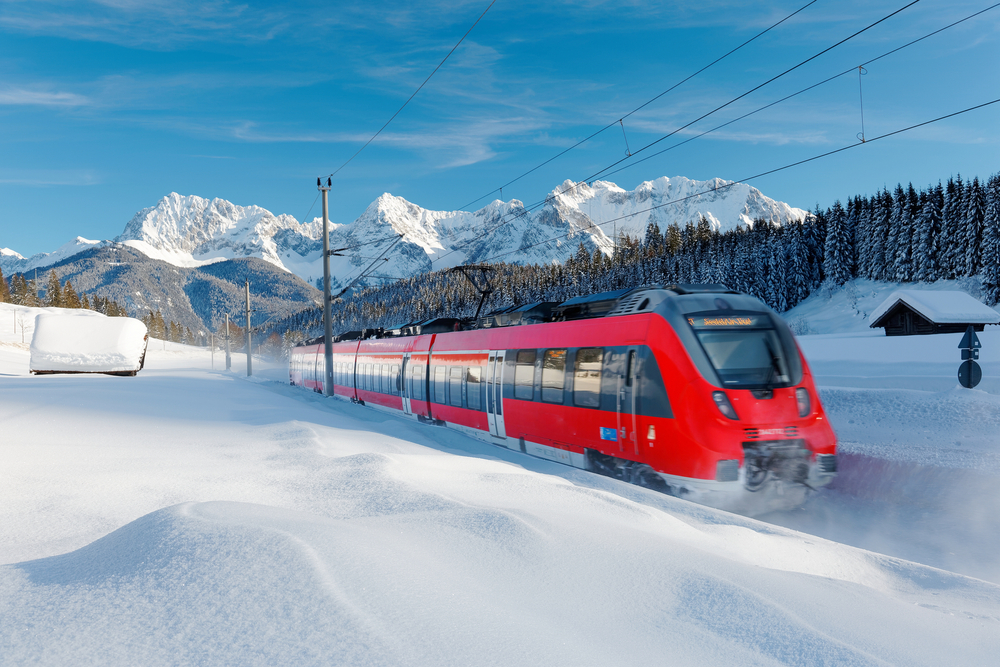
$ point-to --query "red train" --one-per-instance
(696, 390)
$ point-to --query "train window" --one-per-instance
(630, 368)
(553, 375)
(455, 386)
(473, 380)
(384, 377)
(417, 382)
(394, 379)
(368, 377)
(440, 385)
(524, 375)
(587, 377)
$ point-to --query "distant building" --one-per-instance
(912, 312)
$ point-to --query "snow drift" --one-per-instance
(87, 343)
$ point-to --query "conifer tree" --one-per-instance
(30, 293)
(881, 212)
(159, 327)
(53, 291)
(85, 302)
(928, 229)
(836, 261)
(4, 292)
(991, 242)
(69, 296)
(816, 241)
(901, 225)
(974, 216)
(952, 229)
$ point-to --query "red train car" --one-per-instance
(696, 390)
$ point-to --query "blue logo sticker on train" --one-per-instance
(609, 434)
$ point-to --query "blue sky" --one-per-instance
(108, 105)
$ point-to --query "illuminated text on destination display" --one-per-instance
(726, 321)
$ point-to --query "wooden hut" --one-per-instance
(914, 312)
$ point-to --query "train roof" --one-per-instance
(690, 298)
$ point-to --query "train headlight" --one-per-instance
(802, 399)
(722, 402)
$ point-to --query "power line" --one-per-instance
(526, 210)
(414, 92)
(641, 106)
(756, 88)
(756, 176)
(806, 89)
(631, 154)
(457, 44)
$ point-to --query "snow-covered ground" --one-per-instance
(194, 516)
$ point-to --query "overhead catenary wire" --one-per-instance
(609, 170)
(640, 107)
(757, 87)
(753, 177)
(804, 90)
(399, 237)
(400, 109)
(408, 100)
(808, 88)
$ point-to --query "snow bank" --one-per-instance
(87, 343)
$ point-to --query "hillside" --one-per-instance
(197, 297)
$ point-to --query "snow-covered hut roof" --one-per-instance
(940, 307)
(91, 343)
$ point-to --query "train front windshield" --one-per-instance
(747, 350)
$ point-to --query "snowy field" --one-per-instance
(194, 516)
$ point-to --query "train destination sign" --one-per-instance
(729, 321)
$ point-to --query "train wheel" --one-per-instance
(642, 475)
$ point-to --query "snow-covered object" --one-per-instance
(941, 307)
(87, 344)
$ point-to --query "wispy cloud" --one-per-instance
(150, 23)
(24, 96)
(49, 177)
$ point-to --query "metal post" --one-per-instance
(229, 354)
(249, 349)
(327, 322)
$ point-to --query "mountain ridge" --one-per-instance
(191, 231)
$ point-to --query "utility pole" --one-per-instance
(249, 349)
(327, 320)
(229, 354)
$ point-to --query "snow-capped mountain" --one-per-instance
(13, 262)
(192, 231)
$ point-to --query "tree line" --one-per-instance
(23, 292)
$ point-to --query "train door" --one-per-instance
(494, 394)
(403, 385)
(628, 387)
